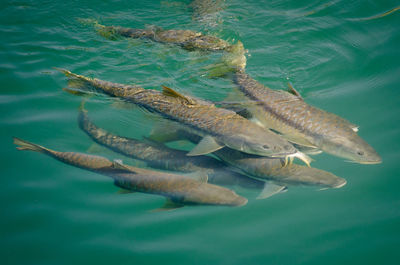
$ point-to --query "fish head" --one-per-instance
(353, 148)
(261, 145)
(302, 175)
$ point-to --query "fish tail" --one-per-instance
(77, 84)
(108, 32)
(25, 145)
(89, 22)
(82, 113)
(233, 60)
(82, 106)
(83, 119)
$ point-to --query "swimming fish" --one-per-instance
(272, 169)
(179, 190)
(219, 127)
(187, 39)
(300, 123)
(303, 124)
(160, 156)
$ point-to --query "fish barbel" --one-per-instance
(219, 127)
(180, 190)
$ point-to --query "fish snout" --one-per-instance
(340, 183)
(367, 156)
(239, 201)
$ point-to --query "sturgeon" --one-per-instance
(300, 123)
(303, 124)
(187, 39)
(272, 169)
(179, 190)
(160, 156)
(219, 127)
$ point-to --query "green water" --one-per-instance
(52, 213)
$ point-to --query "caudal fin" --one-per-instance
(233, 60)
(77, 84)
(25, 145)
(107, 32)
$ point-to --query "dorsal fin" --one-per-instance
(172, 93)
(294, 91)
(118, 164)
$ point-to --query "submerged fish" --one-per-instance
(273, 169)
(219, 127)
(180, 190)
(187, 39)
(301, 123)
(162, 157)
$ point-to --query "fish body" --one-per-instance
(304, 124)
(219, 127)
(187, 39)
(179, 189)
(273, 169)
(160, 156)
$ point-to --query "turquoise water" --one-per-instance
(336, 57)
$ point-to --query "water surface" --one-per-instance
(336, 57)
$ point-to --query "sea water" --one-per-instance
(340, 55)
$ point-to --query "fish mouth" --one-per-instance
(372, 162)
(341, 184)
(240, 201)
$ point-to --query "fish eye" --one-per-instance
(265, 146)
(277, 148)
(361, 153)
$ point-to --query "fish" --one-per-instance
(273, 169)
(219, 127)
(286, 113)
(187, 39)
(179, 190)
(303, 124)
(159, 156)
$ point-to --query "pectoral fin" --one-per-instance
(94, 149)
(308, 150)
(205, 146)
(165, 133)
(169, 205)
(270, 189)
